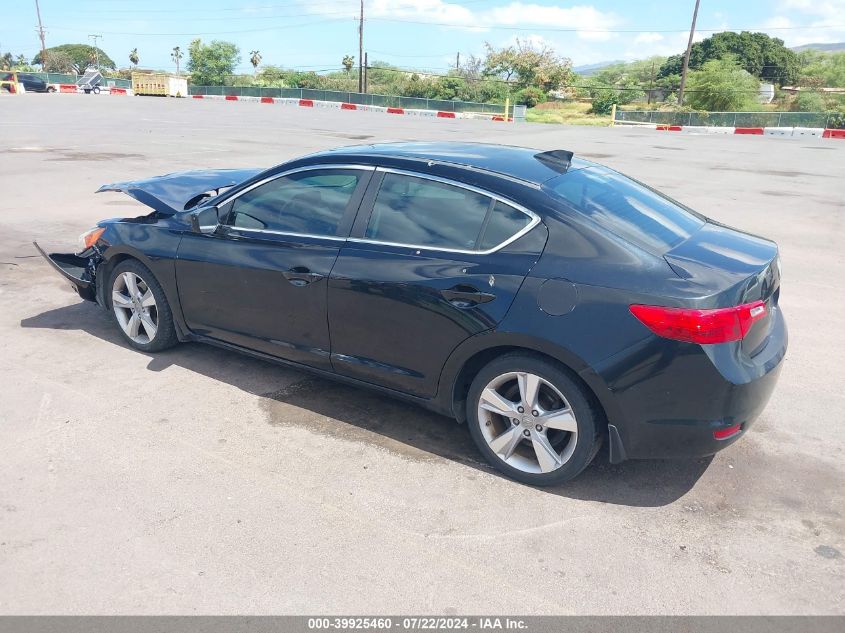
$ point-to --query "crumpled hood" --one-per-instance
(179, 191)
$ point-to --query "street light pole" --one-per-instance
(686, 56)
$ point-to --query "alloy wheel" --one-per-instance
(527, 422)
(135, 307)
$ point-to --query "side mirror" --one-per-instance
(205, 220)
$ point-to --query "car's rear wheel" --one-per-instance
(140, 307)
(532, 420)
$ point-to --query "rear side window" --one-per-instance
(422, 212)
(625, 207)
(309, 202)
(504, 223)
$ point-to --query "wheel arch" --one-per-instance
(163, 275)
(470, 357)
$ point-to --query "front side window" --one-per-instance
(627, 208)
(307, 202)
(423, 212)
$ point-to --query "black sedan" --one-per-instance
(31, 83)
(549, 302)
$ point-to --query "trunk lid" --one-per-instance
(731, 268)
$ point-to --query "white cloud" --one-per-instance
(648, 38)
(799, 22)
(587, 22)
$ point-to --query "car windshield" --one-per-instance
(627, 208)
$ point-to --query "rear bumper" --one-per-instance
(673, 397)
(73, 268)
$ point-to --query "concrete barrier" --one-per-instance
(777, 131)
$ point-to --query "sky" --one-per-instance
(419, 34)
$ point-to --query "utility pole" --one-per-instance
(458, 61)
(366, 67)
(651, 83)
(96, 49)
(361, 50)
(41, 36)
(686, 57)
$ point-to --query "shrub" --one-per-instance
(810, 102)
(603, 101)
(530, 96)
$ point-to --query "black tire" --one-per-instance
(165, 336)
(96, 90)
(588, 416)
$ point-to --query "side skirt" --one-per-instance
(431, 405)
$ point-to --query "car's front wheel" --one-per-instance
(532, 420)
(140, 307)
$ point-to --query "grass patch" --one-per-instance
(566, 113)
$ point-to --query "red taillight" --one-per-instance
(720, 325)
(723, 434)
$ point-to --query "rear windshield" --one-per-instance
(627, 208)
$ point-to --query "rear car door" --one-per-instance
(429, 263)
(259, 279)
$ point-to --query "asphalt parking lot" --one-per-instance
(201, 481)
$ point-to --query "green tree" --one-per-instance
(81, 55)
(59, 62)
(255, 59)
(210, 64)
(722, 85)
(348, 63)
(822, 69)
(528, 64)
(7, 60)
(176, 55)
(764, 57)
(133, 57)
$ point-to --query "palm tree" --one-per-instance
(133, 57)
(22, 60)
(348, 63)
(254, 59)
(176, 55)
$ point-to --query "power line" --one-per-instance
(589, 30)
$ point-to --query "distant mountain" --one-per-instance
(592, 69)
(836, 46)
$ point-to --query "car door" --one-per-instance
(259, 279)
(429, 263)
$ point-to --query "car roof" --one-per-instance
(514, 162)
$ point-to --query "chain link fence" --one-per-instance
(732, 119)
(307, 93)
(350, 97)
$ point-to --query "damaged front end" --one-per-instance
(79, 269)
(166, 195)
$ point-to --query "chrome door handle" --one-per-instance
(462, 296)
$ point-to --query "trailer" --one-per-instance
(159, 85)
(90, 81)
